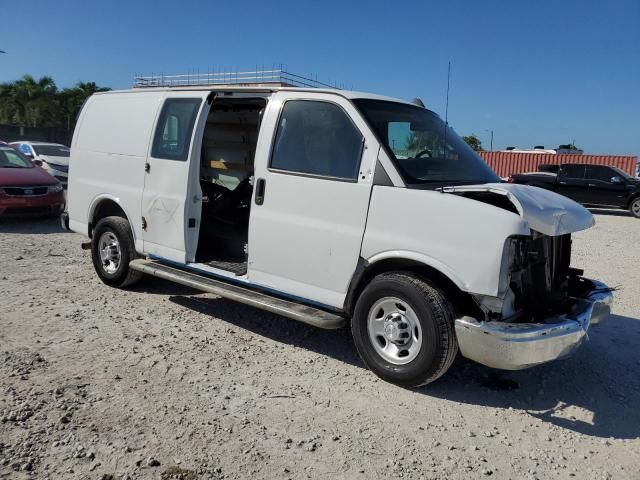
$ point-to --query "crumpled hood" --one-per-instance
(545, 211)
(64, 161)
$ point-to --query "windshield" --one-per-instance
(426, 154)
(52, 150)
(10, 158)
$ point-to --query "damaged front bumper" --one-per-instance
(515, 346)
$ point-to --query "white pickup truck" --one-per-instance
(332, 208)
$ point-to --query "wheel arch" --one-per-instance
(368, 269)
(632, 199)
(106, 206)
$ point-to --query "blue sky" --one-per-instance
(536, 73)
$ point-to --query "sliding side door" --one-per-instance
(172, 200)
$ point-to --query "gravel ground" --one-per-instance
(164, 382)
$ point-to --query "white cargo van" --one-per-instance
(332, 208)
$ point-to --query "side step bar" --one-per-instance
(296, 311)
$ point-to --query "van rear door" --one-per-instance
(171, 200)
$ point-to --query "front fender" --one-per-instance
(462, 238)
(420, 259)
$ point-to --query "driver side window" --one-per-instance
(317, 138)
(603, 174)
(573, 171)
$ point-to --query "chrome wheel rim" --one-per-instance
(635, 208)
(394, 330)
(110, 253)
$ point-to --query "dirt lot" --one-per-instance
(164, 382)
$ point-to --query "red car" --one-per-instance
(26, 189)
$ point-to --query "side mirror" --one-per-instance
(616, 180)
(37, 162)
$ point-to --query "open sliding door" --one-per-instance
(172, 198)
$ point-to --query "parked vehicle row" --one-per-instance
(591, 185)
(332, 208)
(53, 157)
(26, 189)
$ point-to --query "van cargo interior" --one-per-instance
(226, 178)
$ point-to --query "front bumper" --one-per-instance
(515, 346)
(18, 206)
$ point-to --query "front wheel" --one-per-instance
(112, 249)
(403, 329)
(634, 208)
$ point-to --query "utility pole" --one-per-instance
(446, 108)
(491, 138)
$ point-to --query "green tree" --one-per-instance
(474, 142)
(30, 103)
(39, 103)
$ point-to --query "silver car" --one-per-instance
(53, 157)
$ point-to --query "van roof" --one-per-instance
(349, 94)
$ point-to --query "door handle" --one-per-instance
(260, 189)
(591, 185)
(562, 183)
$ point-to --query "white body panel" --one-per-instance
(172, 195)
(108, 152)
(305, 239)
(461, 238)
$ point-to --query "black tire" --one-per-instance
(123, 276)
(634, 207)
(436, 316)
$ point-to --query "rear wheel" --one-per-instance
(112, 249)
(403, 329)
(634, 208)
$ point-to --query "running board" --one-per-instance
(296, 311)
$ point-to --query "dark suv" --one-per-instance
(592, 185)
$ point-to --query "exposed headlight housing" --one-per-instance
(55, 188)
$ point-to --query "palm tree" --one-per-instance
(38, 103)
(33, 102)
